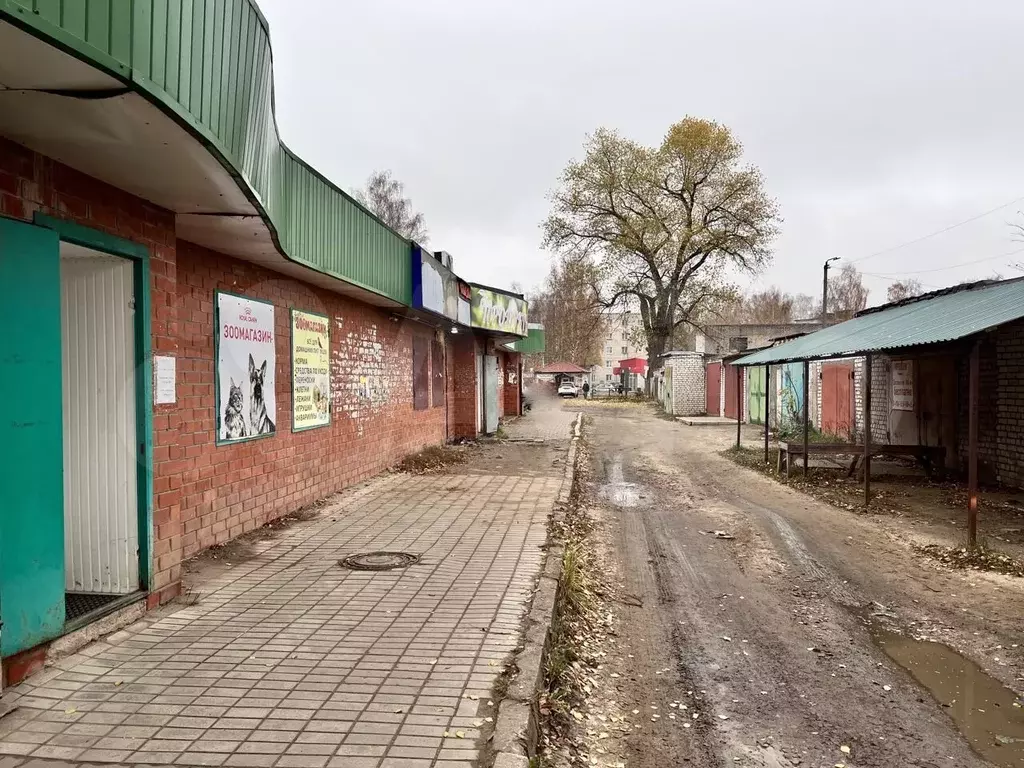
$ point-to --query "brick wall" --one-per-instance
(205, 494)
(988, 409)
(228, 490)
(880, 371)
(1010, 416)
(688, 393)
(30, 182)
(1000, 407)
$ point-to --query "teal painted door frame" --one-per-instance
(31, 438)
(87, 237)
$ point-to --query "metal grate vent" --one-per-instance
(379, 561)
(78, 604)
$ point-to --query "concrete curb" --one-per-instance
(517, 723)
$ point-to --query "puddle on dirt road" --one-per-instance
(989, 715)
(617, 490)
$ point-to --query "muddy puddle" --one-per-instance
(989, 715)
(617, 490)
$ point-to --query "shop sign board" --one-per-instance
(496, 311)
(903, 385)
(434, 286)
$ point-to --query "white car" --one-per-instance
(567, 389)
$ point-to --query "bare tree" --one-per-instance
(663, 224)
(385, 197)
(770, 306)
(573, 317)
(806, 307)
(846, 293)
(903, 289)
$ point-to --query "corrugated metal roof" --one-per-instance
(930, 319)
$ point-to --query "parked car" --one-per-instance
(567, 389)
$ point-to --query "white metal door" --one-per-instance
(101, 524)
(479, 392)
(491, 394)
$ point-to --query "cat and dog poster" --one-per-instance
(246, 364)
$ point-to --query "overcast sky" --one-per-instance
(874, 123)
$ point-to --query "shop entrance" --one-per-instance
(101, 519)
(74, 454)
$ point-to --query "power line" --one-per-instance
(936, 233)
(950, 266)
(890, 280)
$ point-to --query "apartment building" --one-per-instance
(623, 340)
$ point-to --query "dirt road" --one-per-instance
(773, 632)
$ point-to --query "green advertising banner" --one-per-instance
(495, 311)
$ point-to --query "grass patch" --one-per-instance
(980, 558)
(432, 459)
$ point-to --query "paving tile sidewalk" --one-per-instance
(288, 659)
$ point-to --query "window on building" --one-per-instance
(625, 350)
(608, 349)
(738, 344)
(607, 377)
(420, 373)
(437, 373)
(607, 363)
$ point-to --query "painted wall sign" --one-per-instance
(311, 370)
(495, 311)
(902, 385)
(246, 360)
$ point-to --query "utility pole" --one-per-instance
(824, 290)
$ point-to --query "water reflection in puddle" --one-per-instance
(617, 490)
(989, 715)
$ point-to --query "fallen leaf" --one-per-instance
(844, 749)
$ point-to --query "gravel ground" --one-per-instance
(767, 631)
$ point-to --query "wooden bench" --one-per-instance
(930, 456)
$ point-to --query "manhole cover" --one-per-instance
(379, 561)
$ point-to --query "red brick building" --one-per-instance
(138, 228)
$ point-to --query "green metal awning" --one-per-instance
(942, 316)
(534, 341)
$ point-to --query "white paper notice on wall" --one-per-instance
(163, 380)
(903, 385)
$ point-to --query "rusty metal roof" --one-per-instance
(941, 316)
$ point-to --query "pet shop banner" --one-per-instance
(311, 370)
(246, 365)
